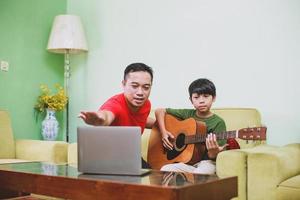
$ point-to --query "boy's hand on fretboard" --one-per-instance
(212, 146)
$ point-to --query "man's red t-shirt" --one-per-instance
(123, 115)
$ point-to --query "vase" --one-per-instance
(49, 169)
(50, 126)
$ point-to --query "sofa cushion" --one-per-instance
(7, 161)
(289, 189)
(238, 118)
(72, 153)
(37, 150)
(7, 143)
(145, 138)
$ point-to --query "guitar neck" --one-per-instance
(199, 138)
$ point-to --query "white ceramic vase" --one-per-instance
(49, 169)
(50, 126)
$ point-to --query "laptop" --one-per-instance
(114, 150)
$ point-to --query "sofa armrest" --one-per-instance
(234, 163)
(267, 169)
(39, 150)
(145, 143)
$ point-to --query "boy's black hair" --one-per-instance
(202, 86)
(138, 67)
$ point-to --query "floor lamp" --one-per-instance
(67, 37)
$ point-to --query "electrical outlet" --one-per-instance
(4, 66)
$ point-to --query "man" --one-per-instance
(130, 108)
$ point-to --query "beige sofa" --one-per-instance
(264, 172)
(12, 150)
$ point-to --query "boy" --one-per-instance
(202, 95)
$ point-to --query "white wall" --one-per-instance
(249, 48)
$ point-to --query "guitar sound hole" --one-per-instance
(180, 141)
(179, 146)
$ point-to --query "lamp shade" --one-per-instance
(67, 35)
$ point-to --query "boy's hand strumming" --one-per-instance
(165, 139)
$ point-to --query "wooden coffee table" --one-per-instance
(65, 181)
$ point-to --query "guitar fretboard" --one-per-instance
(198, 138)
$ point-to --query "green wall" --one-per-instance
(25, 26)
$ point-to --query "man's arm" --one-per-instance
(160, 114)
(99, 118)
(150, 122)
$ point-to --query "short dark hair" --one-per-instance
(202, 86)
(138, 67)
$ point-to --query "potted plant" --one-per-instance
(51, 103)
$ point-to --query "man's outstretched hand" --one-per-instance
(93, 118)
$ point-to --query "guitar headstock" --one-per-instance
(255, 133)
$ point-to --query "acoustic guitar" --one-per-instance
(189, 141)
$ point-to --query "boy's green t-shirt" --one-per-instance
(214, 124)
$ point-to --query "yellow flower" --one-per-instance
(47, 100)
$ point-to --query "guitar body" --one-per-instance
(186, 153)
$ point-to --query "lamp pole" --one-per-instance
(66, 87)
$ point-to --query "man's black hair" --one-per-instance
(202, 86)
(138, 67)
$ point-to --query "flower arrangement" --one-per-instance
(47, 100)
